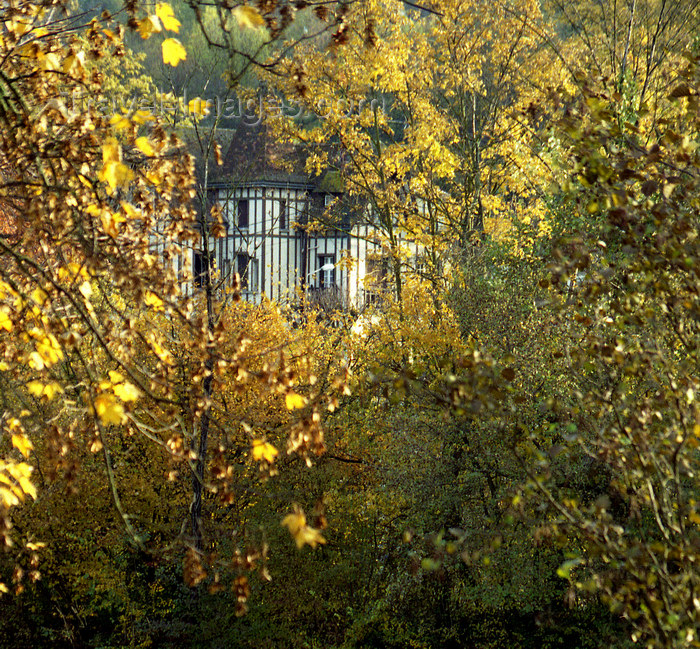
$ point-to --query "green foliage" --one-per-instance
(630, 282)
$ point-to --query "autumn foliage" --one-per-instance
(500, 449)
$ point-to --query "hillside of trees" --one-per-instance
(502, 450)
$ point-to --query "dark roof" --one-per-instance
(253, 157)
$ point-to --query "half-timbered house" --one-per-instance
(286, 232)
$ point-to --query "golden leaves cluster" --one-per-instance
(83, 197)
(428, 145)
(163, 19)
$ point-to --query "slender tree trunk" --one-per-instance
(198, 475)
(199, 443)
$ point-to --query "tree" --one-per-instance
(100, 224)
(630, 43)
(427, 154)
(631, 288)
(80, 187)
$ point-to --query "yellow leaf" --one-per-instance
(8, 498)
(115, 377)
(111, 35)
(5, 322)
(264, 451)
(115, 174)
(151, 299)
(294, 522)
(111, 151)
(197, 106)
(248, 17)
(120, 121)
(165, 12)
(48, 350)
(148, 26)
(309, 535)
(23, 443)
(130, 210)
(39, 296)
(35, 361)
(110, 222)
(51, 62)
(27, 485)
(300, 531)
(85, 289)
(17, 27)
(71, 271)
(74, 63)
(38, 389)
(143, 145)
(109, 410)
(141, 117)
(173, 52)
(154, 177)
(294, 401)
(127, 391)
(162, 353)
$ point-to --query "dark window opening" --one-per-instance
(198, 269)
(247, 269)
(243, 213)
(243, 263)
(283, 215)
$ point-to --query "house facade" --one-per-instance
(287, 233)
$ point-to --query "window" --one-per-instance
(421, 266)
(198, 268)
(284, 217)
(247, 269)
(243, 213)
(326, 278)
